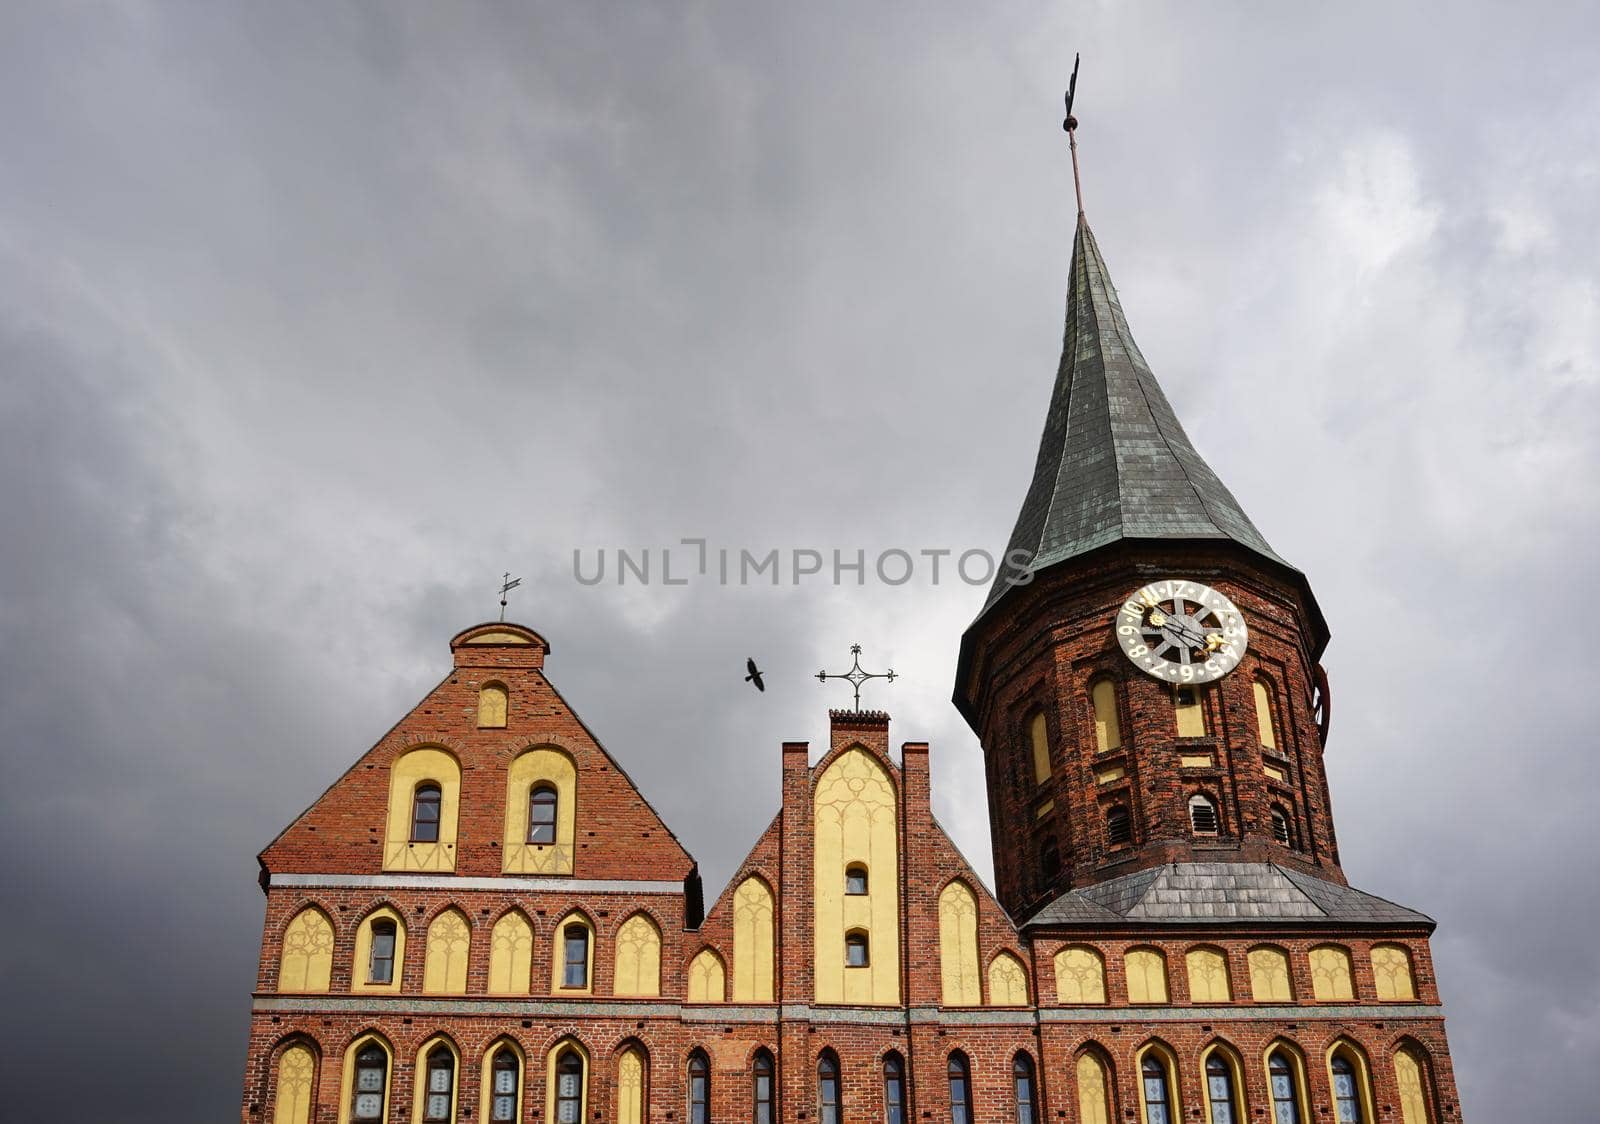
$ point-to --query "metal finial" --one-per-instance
(507, 584)
(855, 675)
(1071, 126)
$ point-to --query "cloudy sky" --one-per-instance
(316, 318)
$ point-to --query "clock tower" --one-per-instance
(1147, 690)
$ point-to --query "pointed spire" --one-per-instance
(1114, 463)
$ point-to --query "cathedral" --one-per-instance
(484, 919)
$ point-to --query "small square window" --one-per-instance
(855, 880)
(855, 950)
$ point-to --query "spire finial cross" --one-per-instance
(1071, 126)
(507, 584)
(855, 675)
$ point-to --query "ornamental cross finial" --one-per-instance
(855, 675)
(1071, 126)
(507, 584)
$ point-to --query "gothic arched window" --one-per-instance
(855, 879)
(1022, 1084)
(439, 1090)
(855, 949)
(1346, 1095)
(542, 814)
(380, 964)
(425, 805)
(1219, 1091)
(761, 1087)
(960, 1075)
(569, 1087)
(505, 1085)
(370, 1083)
(1157, 1094)
(1285, 1099)
(575, 955)
(699, 1089)
(894, 1089)
(828, 1088)
(1203, 814)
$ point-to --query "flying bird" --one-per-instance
(755, 675)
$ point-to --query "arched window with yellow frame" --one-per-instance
(566, 1098)
(295, 1083)
(380, 952)
(1351, 1084)
(1270, 981)
(504, 1078)
(1391, 973)
(1413, 1080)
(572, 966)
(305, 960)
(1157, 1069)
(1039, 741)
(493, 703)
(1096, 1092)
(707, 978)
(424, 805)
(1080, 976)
(1331, 979)
(511, 955)
(541, 813)
(444, 966)
(434, 1093)
(1286, 1083)
(368, 1075)
(638, 958)
(1208, 976)
(1266, 729)
(1222, 1086)
(1107, 723)
(1146, 971)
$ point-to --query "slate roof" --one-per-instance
(1221, 893)
(1114, 463)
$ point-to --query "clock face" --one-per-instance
(1182, 631)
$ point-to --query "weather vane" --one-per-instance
(507, 584)
(1071, 126)
(855, 675)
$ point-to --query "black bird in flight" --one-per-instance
(754, 676)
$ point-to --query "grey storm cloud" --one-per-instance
(315, 318)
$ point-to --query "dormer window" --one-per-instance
(855, 880)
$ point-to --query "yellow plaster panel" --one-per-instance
(306, 963)
(1331, 979)
(1195, 760)
(1191, 717)
(1039, 735)
(1263, 697)
(540, 766)
(1008, 982)
(346, 1093)
(1275, 773)
(1107, 726)
(1093, 1103)
(1045, 809)
(558, 958)
(444, 969)
(1080, 976)
(410, 770)
(500, 638)
(1269, 976)
(1208, 976)
(630, 1088)
(752, 942)
(486, 1083)
(707, 978)
(1391, 972)
(1147, 976)
(297, 1067)
(492, 704)
(419, 1088)
(958, 947)
(360, 970)
(1408, 1079)
(576, 1047)
(855, 813)
(1106, 776)
(511, 956)
(638, 958)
